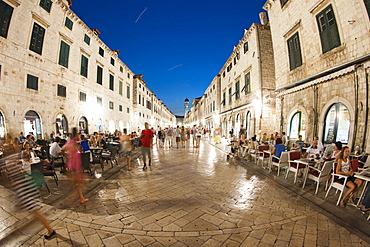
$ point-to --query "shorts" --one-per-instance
(178, 139)
(146, 152)
(349, 178)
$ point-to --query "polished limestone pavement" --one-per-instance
(196, 197)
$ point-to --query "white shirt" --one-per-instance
(55, 149)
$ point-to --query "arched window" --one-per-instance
(337, 124)
(224, 129)
(297, 125)
(61, 124)
(237, 125)
(32, 124)
(231, 127)
(111, 126)
(248, 125)
(82, 123)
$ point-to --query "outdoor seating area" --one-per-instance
(316, 173)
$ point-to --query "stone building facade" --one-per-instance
(55, 73)
(240, 93)
(322, 60)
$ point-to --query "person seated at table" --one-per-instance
(101, 142)
(298, 144)
(28, 153)
(56, 153)
(41, 142)
(313, 150)
(365, 204)
(337, 150)
(278, 148)
(21, 138)
(30, 141)
(84, 144)
(344, 168)
(92, 141)
(253, 144)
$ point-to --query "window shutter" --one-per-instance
(367, 5)
(6, 12)
(64, 54)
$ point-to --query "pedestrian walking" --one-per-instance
(183, 136)
(126, 147)
(25, 189)
(73, 149)
(178, 136)
(169, 136)
(146, 145)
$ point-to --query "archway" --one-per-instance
(297, 125)
(337, 124)
(248, 124)
(32, 124)
(2, 125)
(61, 124)
(99, 125)
(111, 126)
(237, 125)
(83, 125)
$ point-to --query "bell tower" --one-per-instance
(186, 107)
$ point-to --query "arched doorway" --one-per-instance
(32, 124)
(61, 125)
(224, 129)
(120, 126)
(231, 127)
(297, 125)
(237, 125)
(2, 125)
(99, 125)
(82, 125)
(128, 127)
(111, 126)
(248, 124)
(337, 124)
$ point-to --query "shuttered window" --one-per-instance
(247, 81)
(120, 89)
(64, 54)
(367, 5)
(6, 12)
(82, 97)
(237, 90)
(128, 92)
(46, 4)
(32, 82)
(111, 82)
(68, 23)
(294, 48)
(230, 95)
(87, 39)
(99, 76)
(37, 38)
(62, 91)
(84, 65)
(283, 2)
(246, 48)
(328, 29)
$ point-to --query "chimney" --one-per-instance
(263, 18)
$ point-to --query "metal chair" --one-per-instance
(37, 173)
(110, 156)
(85, 160)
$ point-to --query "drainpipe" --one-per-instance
(316, 114)
(355, 81)
(366, 110)
(281, 114)
(260, 74)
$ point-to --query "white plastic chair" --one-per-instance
(318, 175)
(336, 184)
(283, 161)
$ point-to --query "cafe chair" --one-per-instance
(50, 171)
(261, 155)
(37, 173)
(45, 153)
(85, 160)
(336, 184)
(110, 156)
(365, 166)
(293, 165)
(283, 161)
(319, 175)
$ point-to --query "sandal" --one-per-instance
(85, 200)
(50, 235)
(342, 204)
(350, 200)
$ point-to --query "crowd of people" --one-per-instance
(65, 152)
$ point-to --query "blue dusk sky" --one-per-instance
(179, 46)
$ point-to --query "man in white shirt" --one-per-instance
(314, 150)
(56, 154)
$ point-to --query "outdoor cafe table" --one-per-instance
(365, 176)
